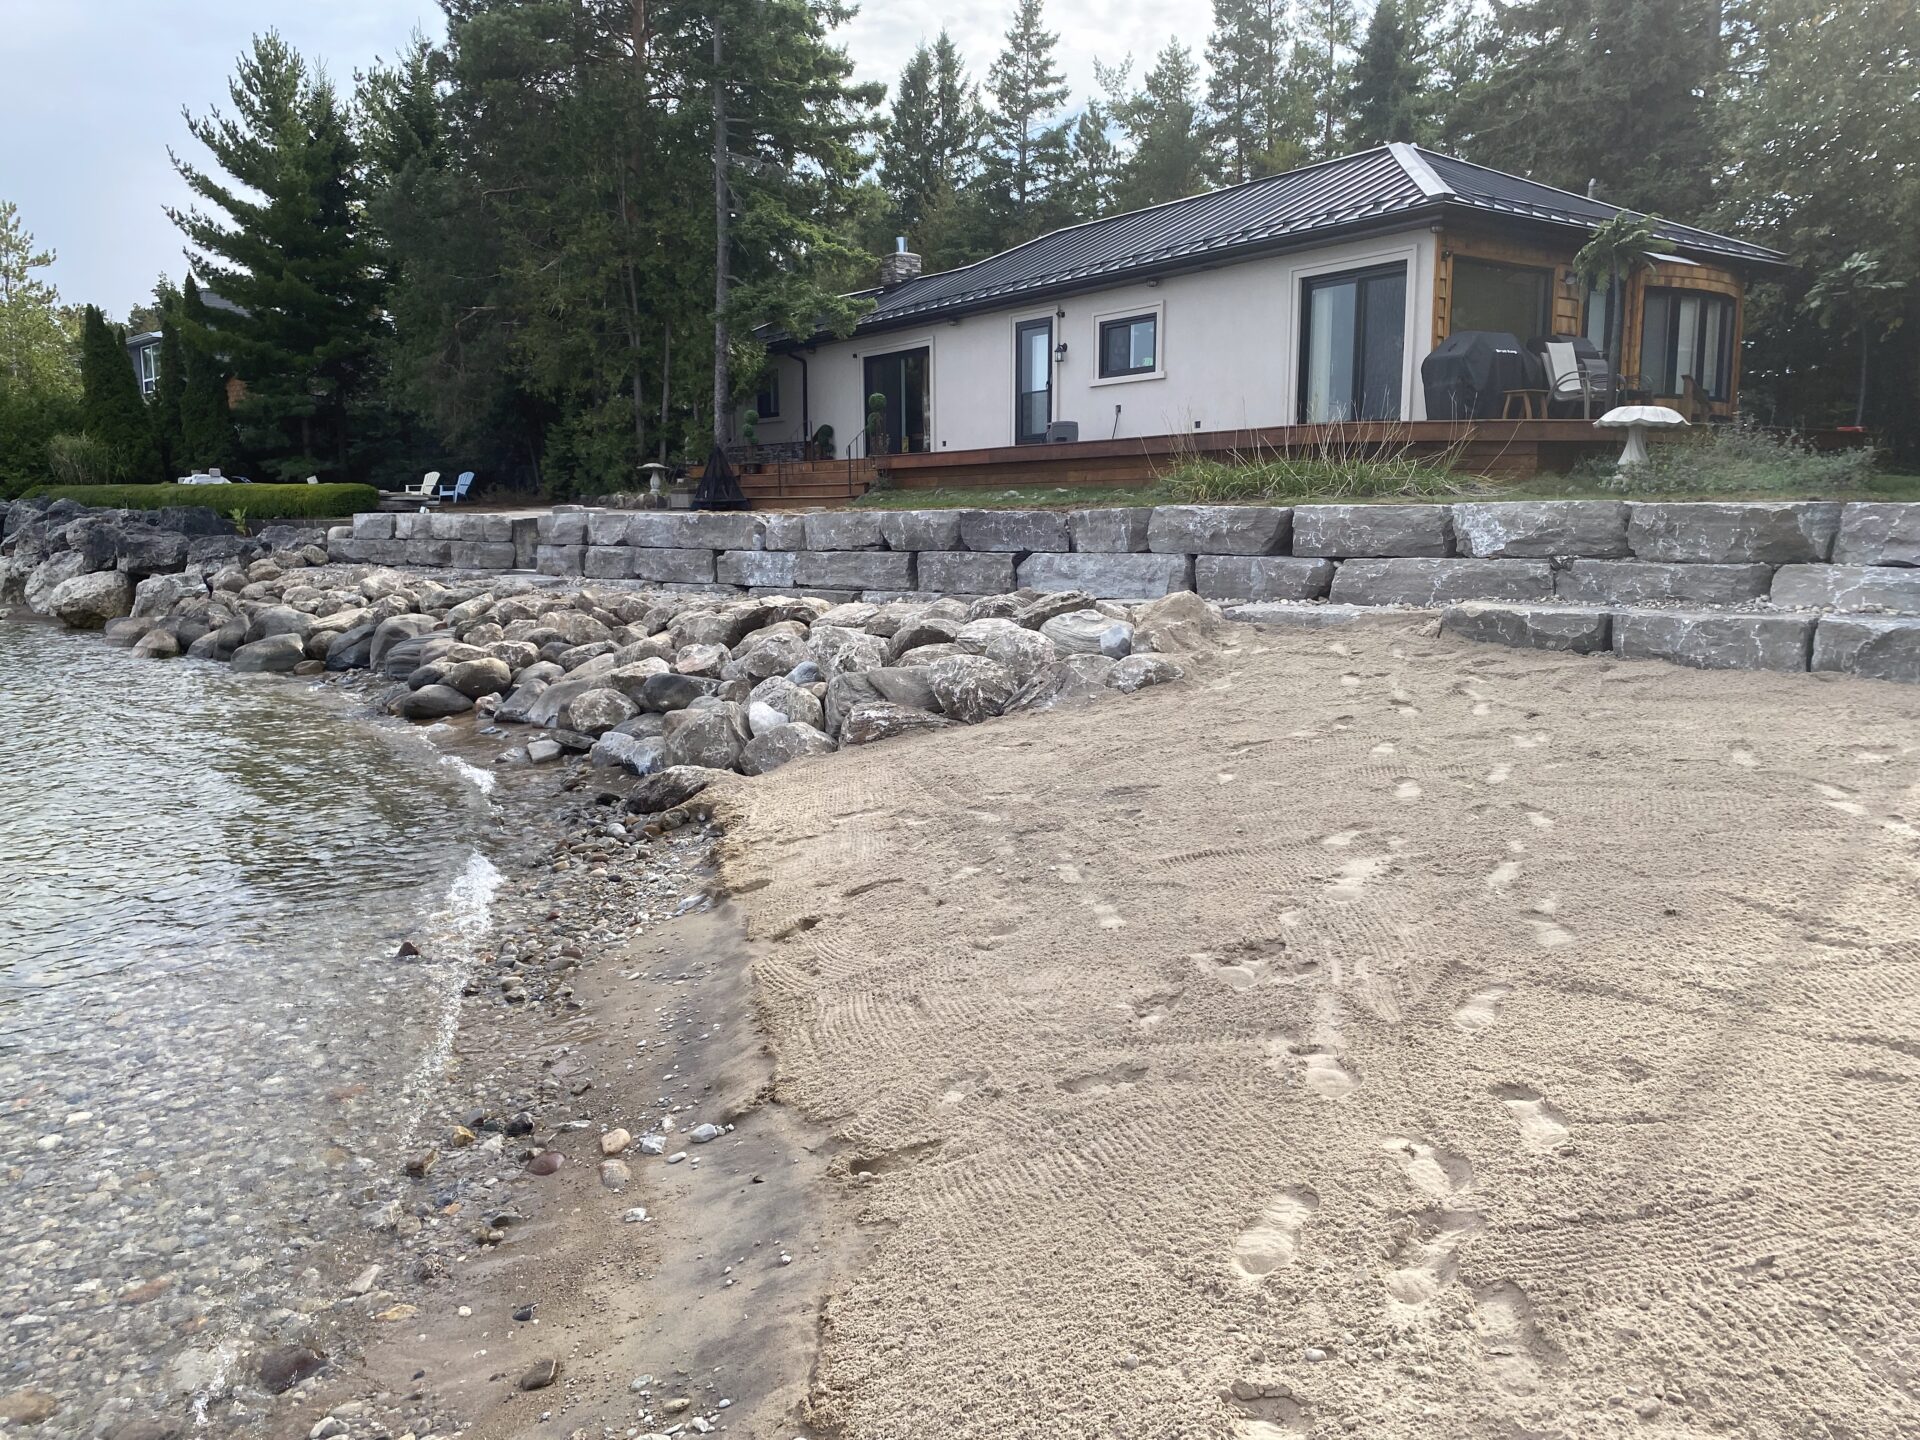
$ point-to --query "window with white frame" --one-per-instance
(147, 367)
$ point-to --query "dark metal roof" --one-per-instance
(1382, 188)
(1496, 191)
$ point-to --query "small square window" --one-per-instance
(1129, 346)
(766, 404)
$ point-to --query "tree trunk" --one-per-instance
(721, 388)
(666, 377)
(1860, 403)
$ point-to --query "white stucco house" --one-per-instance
(1301, 298)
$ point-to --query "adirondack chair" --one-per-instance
(460, 488)
(426, 489)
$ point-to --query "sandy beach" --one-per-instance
(1376, 1035)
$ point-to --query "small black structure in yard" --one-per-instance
(1469, 373)
(719, 488)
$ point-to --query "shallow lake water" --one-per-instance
(210, 1058)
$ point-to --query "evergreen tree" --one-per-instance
(930, 147)
(1617, 91)
(294, 261)
(37, 346)
(1093, 164)
(1256, 123)
(1389, 97)
(206, 431)
(1167, 150)
(1323, 64)
(112, 408)
(1026, 146)
(170, 386)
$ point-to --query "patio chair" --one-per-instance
(460, 487)
(427, 489)
(1570, 378)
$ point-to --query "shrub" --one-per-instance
(1735, 460)
(1335, 470)
(261, 502)
(78, 458)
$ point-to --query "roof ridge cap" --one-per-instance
(1425, 178)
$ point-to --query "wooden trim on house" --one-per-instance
(1568, 301)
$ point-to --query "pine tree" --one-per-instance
(930, 147)
(36, 347)
(1093, 164)
(1255, 124)
(1615, 91)
(1167, 154)
(114, 413)
(1389, 98)
(1026, 146)
(1324, 62)
(294, 261)
(206, 431)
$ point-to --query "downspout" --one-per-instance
(806, 417)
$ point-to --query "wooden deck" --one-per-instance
(1512, 449)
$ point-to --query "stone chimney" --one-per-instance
(899, 267)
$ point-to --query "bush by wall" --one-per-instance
(260, 502)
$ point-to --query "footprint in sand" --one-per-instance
(1532, 741)
(1539, 819)
(1548, 932)
(1743, 758)
(1340, 839)
(1437, 1174)
(1069, 874)
(1500, 774)
(1407, 789)
(1481, 1009)
(1502, 876)
(1326, 1077)
(1543, 1129)
(1350, 680)
(1516, 1352)
(1268, 1413)
(1385, 747)
(1107, 918)
(1273, 1240)
(1348, 886)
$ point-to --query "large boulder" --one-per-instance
(1341, 532)
(277, 653)
(1137, 672)
(773, 748)
(352, 649)
(392, 631)
(873, 720)
(839, 651)
(158, 594)
(1014, 530)
(710, 736)
(1878, 534)
(1715, 641)
(1219, 529)
(474, 678)
(767, 653)
(279, 620)
(1088, 632)
(667, 692)
(1108, 575)
(790, 702)
(707, 661)
(636, 754)
(1531, 627)
(49, 575)
(672, 786)
(1180, 624)
(1074, 680)
(970, 688)
(430, 702)
(1877, 647)
(1440, 582)
(518, 707)
(146, 551)
(599, 710)
(899, 686)
(88, 602)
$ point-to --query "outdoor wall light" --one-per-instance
(1060, 353)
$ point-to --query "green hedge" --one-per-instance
(261, 502)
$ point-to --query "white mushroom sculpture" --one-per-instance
(1636, 420)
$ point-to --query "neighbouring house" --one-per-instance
(1302, 298)
(143, 350)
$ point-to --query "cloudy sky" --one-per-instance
(91, 93)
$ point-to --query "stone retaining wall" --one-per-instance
(1757, 556)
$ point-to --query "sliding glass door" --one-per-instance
(1353, 345)
(900, 379)
(1032, 380)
